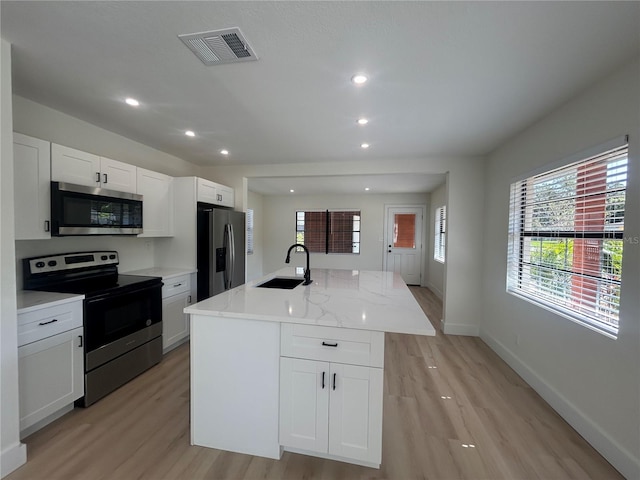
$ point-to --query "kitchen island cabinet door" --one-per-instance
(355, 412)
(51, 375)
(304, 404)
(32, 181)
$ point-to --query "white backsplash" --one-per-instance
(135, 253)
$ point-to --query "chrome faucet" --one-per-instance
(307, 272)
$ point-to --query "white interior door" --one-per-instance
(404, 242)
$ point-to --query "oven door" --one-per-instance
(118, 323)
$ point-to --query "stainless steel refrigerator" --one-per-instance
(221, 250)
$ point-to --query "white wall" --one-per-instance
(435, 269)
(465, 218)
(591, 380)
(255, 260)
(280, 224)
(12, 452)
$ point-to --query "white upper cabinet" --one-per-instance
(224, 196)
(157, 204)
(82, 168)
(31, 169)
(206, 191)
(118, 175)
(74, 166)
(214, 193)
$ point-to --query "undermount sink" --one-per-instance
(281, 282)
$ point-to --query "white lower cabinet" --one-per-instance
(332, 409)
(176, 296)
(51, 375)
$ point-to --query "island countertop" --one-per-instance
(358, 299)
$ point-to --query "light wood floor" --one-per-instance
(452, 410)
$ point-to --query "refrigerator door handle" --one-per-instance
(226, 246)
(232, 254)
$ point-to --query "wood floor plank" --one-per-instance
(440, 394)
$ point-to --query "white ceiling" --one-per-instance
(446, 78)
(347, 184)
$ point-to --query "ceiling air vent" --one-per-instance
(219, 46)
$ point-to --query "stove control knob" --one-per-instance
(112, 256)
(103, 257)
(52, 263)
(39, 264)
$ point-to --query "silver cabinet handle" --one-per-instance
(47, 226)
(80, 337)
(98, 177)
(105, 178)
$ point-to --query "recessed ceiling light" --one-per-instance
(359, 78)
(362, 121)
(364, 145)
(132, 101)
(190, 133)
(367, 189)
(224, 151)
(292, 190)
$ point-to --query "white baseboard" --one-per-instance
(12, 458)
(467, 330)
(622, 459)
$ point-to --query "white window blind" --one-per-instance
(249, 231)
(440, 229)
(566, 237)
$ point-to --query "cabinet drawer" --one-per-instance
(329, 344)
(175, 285)
(49, 321)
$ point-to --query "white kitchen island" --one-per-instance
(298, 369)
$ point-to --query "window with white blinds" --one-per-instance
(440, 236)
(566, 238)
(249, 231)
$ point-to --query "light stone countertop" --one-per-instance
(163, 272)
(29, 300)
(364, 300)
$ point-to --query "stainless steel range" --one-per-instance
(122, 315)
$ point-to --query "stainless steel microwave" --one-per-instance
(81, 210)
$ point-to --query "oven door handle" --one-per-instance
(111, 296)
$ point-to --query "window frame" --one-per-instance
(327, 231)
(581, 304)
